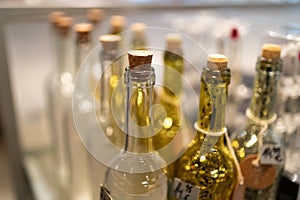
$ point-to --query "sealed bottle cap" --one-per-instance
(110, 42)
(217, 61)
(138, 28)
(117, 23)
(95, 15)
(65, 22)
(271, 51)
(55, 16)
(139, 57)
(83, 27)
(173, 41)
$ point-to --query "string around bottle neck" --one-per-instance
(264, 123)
(210, 133)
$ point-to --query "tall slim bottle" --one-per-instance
(111, 67)
(60, 89)
(95, 16)
(257, 145)
(136, 173)
(169, 97)
(207, 170)
(80, 171)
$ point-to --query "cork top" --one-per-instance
(271, 51)
(110, 42)
(95, 15)
(65, 21)
(117, 23)
(65, 24)
(83, 27)
(217, 61)
(139, 57)
(138, 28)
(173, 41)
(55, 16)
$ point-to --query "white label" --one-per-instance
(184, 191)
(104, 194)
(271, 154)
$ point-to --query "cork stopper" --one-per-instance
(83, 27)
(65, 21)
(117, 23)
(95, 15)
(110, 42)
(271, 51)
(139, 57)
(173, 41)
(65, 24)
(55, 16)
(138, 28)
(217, 61)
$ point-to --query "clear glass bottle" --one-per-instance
(207, 170)
(60, 89)
(80, 171)
(138, 41)
(260, 176)
(111, 68)
(136, 173)
(95, 16)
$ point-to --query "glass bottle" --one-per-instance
(80, 171)
(169, 95)
(207, 170)
(60, 89)
(95, 16)
(138, 41)
(111, 67)
(136, 173)
(254, 142)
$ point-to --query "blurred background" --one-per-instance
(27, 57)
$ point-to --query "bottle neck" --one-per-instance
(173, 62)
(263, 103)
(83, 48)
(213, 98)
(138, 116)
(65, 52)
(111, 72)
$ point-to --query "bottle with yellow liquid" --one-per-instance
(111, 67)
(136, 172)
(258, 146)
(207, 169)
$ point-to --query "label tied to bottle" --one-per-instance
(184, 191)
(104, 193)
(271, 154)
(257, 177)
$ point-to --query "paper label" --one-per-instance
(271, 154)
(104, 194)
(184, 191)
